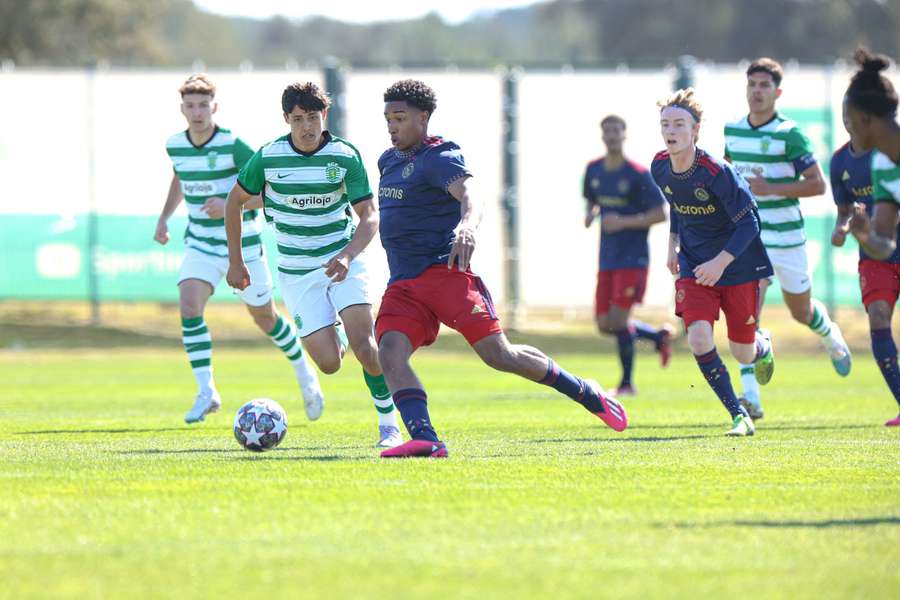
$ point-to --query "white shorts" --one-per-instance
(315, 300)
(211, 269)
(791, 268)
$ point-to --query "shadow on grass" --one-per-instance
(761, 427)
(616, 440)
(122, 430)
(824, 524)
(301, 458)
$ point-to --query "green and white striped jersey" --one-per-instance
(307, 198)
(885, 179)
(211, 170)
(778, 151)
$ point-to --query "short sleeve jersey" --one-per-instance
(780, 152)
(627, 190)
(851, 181)
(706, 201)
(211, 170)
(418, 213)
(307, 198)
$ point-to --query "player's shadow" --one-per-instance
(822, 524)
(301, 458)
(182, 451)
(762, 427)
(121, 430)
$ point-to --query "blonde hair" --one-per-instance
(198, 83)
(683, 99)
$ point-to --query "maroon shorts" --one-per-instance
(622, 287)
(695, 302)
(879, 280)
(417, 307)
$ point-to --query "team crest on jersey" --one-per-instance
(298, 321)
(679, 297)
(211, 159)
(408, 170)
(332, 172)
(623, 186)
(701, 194)
(765, 143)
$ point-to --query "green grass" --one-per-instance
(105, 493)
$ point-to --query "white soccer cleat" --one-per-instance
(838, 350)
(389, 436)
(741, 427)
(206, 402)
(313, 399)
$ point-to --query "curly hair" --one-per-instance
(198, 83)
(413, 92)
(308, 96)
(683, 99)
(767, 65)
(869, 90)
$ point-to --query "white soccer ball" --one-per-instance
(260, 424)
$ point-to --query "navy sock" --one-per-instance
(626, 354)
(642, 331)
(572, 386)
(716, 374)
(413, 406)
(885, 352)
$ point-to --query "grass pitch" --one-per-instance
(106, 493)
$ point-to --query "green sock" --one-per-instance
(820, 323)
(381, 396)
(198, 345)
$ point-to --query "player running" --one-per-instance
(428, 229)
(206, 159)
(716, 250)
(870, 112)
(777, 160)
(628, 202)
(311, 183)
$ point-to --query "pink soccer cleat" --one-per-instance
(895, 422)
(612, 412)
(417, 448)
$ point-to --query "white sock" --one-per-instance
(821, 322)
(386, 419)
(749, 383)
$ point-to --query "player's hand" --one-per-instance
(238, 276)
(162, 232)
(337, 268)
(672, 263)
(710, 272)
(860, 225)
(759, 186)
(611, 223)
(463, 247)
(214, 207)
(839, 235)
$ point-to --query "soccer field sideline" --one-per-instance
(537, 498)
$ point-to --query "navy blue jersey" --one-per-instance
(851, 181)
(711, 207)
(418, 214)
(627, 190)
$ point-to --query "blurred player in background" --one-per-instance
(777, 160)
(206, 159)
(628, 202)
(870, 113)
(428, 228)
(716, 250)
(312, 183)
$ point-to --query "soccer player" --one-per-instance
(716, 250)
(628, 202)
(312, 183)
(776, 159)
(870, 112)
(206, 159)
(428, 228)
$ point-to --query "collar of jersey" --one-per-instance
(687, 174)
(326, 137)
(187, 134)
(761, 125)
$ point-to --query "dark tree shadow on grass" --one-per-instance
(121, 430)
(823, 524)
